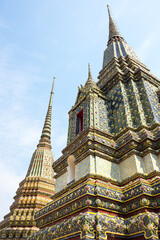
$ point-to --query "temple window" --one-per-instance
(79, 122)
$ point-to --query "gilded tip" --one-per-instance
(109, 11)
(52, 91)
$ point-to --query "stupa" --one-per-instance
(35, 190)
(108, 178)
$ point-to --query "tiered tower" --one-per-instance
(35, 190)
(108, 178)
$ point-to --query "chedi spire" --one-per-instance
(46, 131)
(116, 46)
(113, 30)
(35, 191)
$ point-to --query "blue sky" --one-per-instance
(41, 39)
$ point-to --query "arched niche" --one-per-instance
(71, 169)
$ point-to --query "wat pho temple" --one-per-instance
(106, 184)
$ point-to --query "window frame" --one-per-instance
(79, 122)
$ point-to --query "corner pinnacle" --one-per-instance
(90, 83)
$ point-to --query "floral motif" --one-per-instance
(98, 201)
(154, 204)
(124, 209)
(87, 188)
(98, 227)
(144, 201)
(88, 202)
(146, 222)
(107, 192)
(112, 206)
(122, 196)
(142, 188)
(134, 206)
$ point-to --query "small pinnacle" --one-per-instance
(89, 71)
(90, 83)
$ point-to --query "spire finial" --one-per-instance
(46, 132)
(52, 92)
(113, 30)
(89, 71)
(108, 10)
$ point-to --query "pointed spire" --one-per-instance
(89, 71)
(90, 83)
(46, 132)
(113, 30)
(116, 46)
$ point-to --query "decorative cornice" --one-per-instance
(132, 200)
(139, 141)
